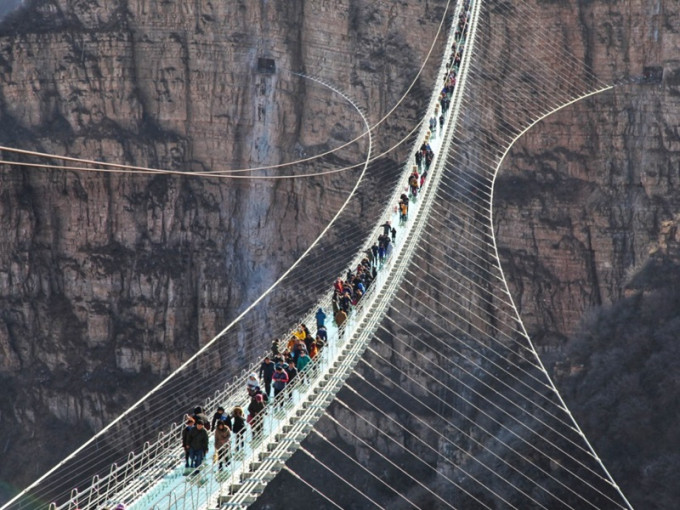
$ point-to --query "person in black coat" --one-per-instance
(220, 415)
(238, 426)
(266, 373)
(190, 423)
(198, 441)
(200, 415)
(255, 417)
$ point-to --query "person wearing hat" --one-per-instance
(320, 318)
(220, 415)
(252, 383)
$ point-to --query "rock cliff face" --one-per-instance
(109, 281)
(588, 189)
(123, 276)
(586, 210)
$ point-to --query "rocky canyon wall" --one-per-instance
(110, 281)
(586, 211)
(123, 276)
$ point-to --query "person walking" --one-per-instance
(238, 427)
(198, 444)
(266, 374)
(256, 416)
(413, 182)
(220, 414)
(403, 211)
(280, 379)
(275, 346)
(291, 371)
(252, 383)
(190, 423)
(222, 440)
(199, 414)
(320, 318)
(302, 364)
(313, 349)
(340, 317)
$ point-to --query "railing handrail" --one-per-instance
(133, 480)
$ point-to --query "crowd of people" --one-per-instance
(291, 358)
(290, 361)
(276, 371)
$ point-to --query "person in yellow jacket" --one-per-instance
(300, 334)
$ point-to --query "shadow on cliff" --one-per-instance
(621, 382)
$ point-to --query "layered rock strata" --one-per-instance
(586, 208)
(108, 281)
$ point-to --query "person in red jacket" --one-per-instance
(255, 415)
(280, 379)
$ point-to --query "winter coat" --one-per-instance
(198, 439)
(292, 372)
(320, 318)
(254, 408)
(252, 383)
(340, 317)
(267, 370)
(185, 435)
(302, 363)
(221, 417)
(221, 437)
(265, 397)
(280, 379)
(203, 418)
(239, 424)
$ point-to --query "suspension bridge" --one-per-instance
(464, 414)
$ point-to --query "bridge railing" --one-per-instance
(144, 470)
(149, 469)
(210, 483)
(129, 480)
